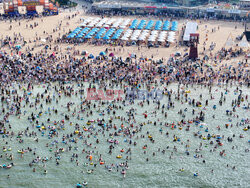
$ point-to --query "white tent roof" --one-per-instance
(86, 21)
(102, 22)
(125, 23)
(135, 35)
(191, 27)
(117, 22)
(244, 43)
(94, 22)
(144, 35)
(127, 34)
(230, 41)
(153, 35)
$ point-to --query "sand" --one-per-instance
(46, 25)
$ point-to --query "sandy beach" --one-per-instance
(57, 26)
(67, 120)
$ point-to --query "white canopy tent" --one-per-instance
(102, 22)
(117, 22)
(244, 43)
(127, 34)
(135, 35)
(94, 22)
(125, 23)
(86, 21)
(144, 35)
(110, 21)
(162, 36)
(191, 27)
(230, 41)
(171, 36)
(153, 36)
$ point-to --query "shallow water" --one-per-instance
(159, 171)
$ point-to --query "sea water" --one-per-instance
(159, 171)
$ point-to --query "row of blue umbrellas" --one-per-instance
(79, 33)
(141, 24)
(174, 26)
(117, 34)
(100, 33)
(158, 25)
(74, 33)
(83, 32)
(166, 26)
(109, 33)
(149, 25)
(91, 33)
(134, 24)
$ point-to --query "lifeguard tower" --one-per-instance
(194, 41)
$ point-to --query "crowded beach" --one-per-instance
(91, 101)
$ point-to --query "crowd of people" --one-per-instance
(66, 75)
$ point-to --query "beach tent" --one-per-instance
(86, 21)
(127, 34)
(18, 47)
(94, 22)
(141, 24)
(132, 56)
(191, 27)
(117, 23)
(166, 26)
(100, 33)
(102, 22)
(102, 53)
(124, 23)
(117, 34)
(91, 33)
(134, 24)
(135, 35)
(108, 34)
(84, 52)
(244, 43)
(111, 55)
(158, 25)
(91, 56)
(153, 36)
(229, 41)
(149, 25)
(144, 35)
(174, 26)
